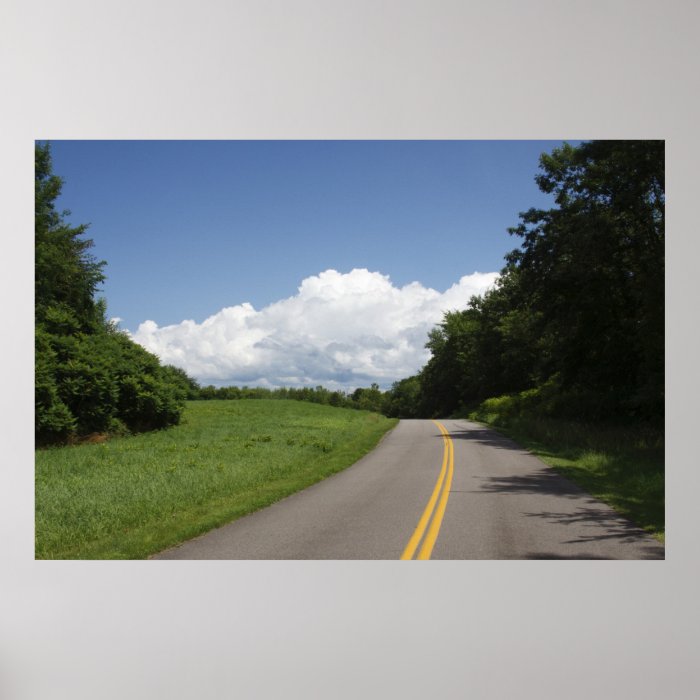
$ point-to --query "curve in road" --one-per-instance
(487, 498)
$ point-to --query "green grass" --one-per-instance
(133, 496)
(622, 466)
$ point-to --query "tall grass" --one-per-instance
(132, 496)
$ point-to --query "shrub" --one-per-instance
(88, 384)
(53, 419)
(148, 403)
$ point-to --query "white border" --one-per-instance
(380, 69)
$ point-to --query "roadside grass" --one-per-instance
(622, 466)
(133, 496)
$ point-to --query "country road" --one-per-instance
(448, 489)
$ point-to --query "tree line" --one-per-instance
(574, 327)
(363, 398)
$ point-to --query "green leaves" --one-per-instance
(53, 421)
(90, 378)
(100, 382)
(580, 305)
(66, 275)
(593, 268)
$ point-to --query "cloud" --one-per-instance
(341, 330)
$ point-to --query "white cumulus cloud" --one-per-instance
(341, 330)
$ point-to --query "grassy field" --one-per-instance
(132, 496)
(624, 467)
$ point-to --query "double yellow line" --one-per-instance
(441, 491)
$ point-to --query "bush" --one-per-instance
(150, 397)
(187, 387)
(88, 384)
(103, 382)
(53, 420)
(551, 400)
(148, 403)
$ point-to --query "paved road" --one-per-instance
(442, 490)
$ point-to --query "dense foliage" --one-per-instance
(89, 377)
(576, 320)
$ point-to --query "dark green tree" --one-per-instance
(443, 378)
(89, 377)
(371, 399)
(592, 271)
(579, 307)
(66, 274)
(403, 399)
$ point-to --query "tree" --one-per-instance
(579, 307)
(450, 368)
(370, 399)
(66, 274)
(90, 377)
(403, 399)
(593, 269)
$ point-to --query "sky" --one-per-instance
(291, 263)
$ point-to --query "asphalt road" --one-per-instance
(449, 489)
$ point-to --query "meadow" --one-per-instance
(132, 496)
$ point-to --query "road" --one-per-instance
(447, 489)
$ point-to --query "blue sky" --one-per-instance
(189, 228)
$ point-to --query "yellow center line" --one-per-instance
(434, 529)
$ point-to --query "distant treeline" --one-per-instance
(365, 399)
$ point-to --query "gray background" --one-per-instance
(272, 69)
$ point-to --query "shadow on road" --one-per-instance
(486, 437)
(599, 521)
(543, 481)
(605, 525)
(593, 521)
